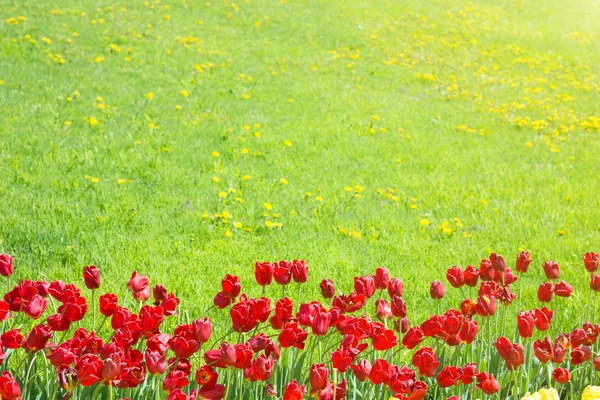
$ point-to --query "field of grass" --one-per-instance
(188, 139)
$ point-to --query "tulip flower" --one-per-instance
(426, 361)
(525, 324)
(282, 272)
(318, 378)
(449, 376)
(6, 265)
(456, 277)
(590, 260)
(362, 370)
(471, 276)
(91, 277)
(561, 375)
(542, 318)
(545, 292)
(596, 363)
(395, 287)
(468, 331)
(563, 289)
(551, 269)
(263, 272)
(9, 388)
(523, 261)
(327, 288)
(365, 285)
(498, 262)
(543, 350)
(299, 271)
(382, 278)
(580, 355)
(437, 290)
(487, 383)
(293, 391)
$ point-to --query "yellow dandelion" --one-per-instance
(184, 93)
(268, 224)
(283, 181)
(121, 181)
(222, 195)
(95, 180)
(425, 222)
(149, 95)
(228, 234)
(287, 143)
(246, 177)
(92, 121)
(268, 206)
(238, 225)
(215, 154)
(226, 214)
(216, 179)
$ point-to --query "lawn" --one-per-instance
(189, 139)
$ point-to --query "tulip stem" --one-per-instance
(516, 389)
(110, 391)
(94, 307)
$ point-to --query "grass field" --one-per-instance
(188, 139)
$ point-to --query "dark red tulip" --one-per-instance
(468, 331)
(91, 278)
(318, 377)
(563, 289)
(551, 269)
(395, 287)
(437, 290)
(561, 375)
(292, 335)
(497, 262)
(590, 260)
(486, 306)
(382, 278)
(299, 271)
(9, 387)
(398, 307)
(230, 285)
(596, 363)
(543, 350)
(426, 361)
(112, 367)
(512, 353)
(595, 283)
(327, 288)
(263, 271)
(6, 265)
(523, 261)
(526, 324)
(159, 292)
(365, 285)
(449, 376)
(242, 317)
(486, 271)
(471, 276)
(362, 370)
(37, 338)
(546, 292)
(282, 272)
(456, 276)
(293, 391)
(580, 355)
(543, 318)
(559, 354)
(487, 383)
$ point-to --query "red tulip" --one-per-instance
(299, 271)
(212, 392)
(263, 271)
(89, 369)
(486, 271)
(362, 370)
(206, 376)
(6, 265)
(9, 388)
(414, 336)
(486, 306)
(282, 272)
(591, 259)
(497, 262)
(382, 278)
(318, 377)
(471, 276)
(437, 290)
(551, 269)
(512, 353)
(242, 317)
(560, 353)
(596, 363)
(469, 373)
(563, 289)
(230, 285)
(260, 369)
(595, 283)
(456, 276)
(487, 383)
(523, 261)
(448, 376)
(138, 285)
(426, 361)
(342, 358)
(293, 391)
(365, 285)
(545, 292)
(108, 304)
(384, 310)
(395, 287)
(327, 288)
(386, 339)
(525, 323)
(380, 372)
(155, 362)
(543, 350)
(174, 380)
(12, 339)
(561, 375)
(543, 318)
(320, 326)
(112, 367)
(292, 335)
(37, 338)
(580, 355)
(468, 331)
(398, 307)
(91, 278)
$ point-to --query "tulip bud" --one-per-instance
(91, 277)
(437, 290)
(382, 278)
(551, 269)
(327, 288)
(6, 265)
(523, 261)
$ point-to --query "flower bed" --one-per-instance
(358, 345)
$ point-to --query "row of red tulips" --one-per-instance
(341, 347)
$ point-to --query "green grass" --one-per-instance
(489, 106)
